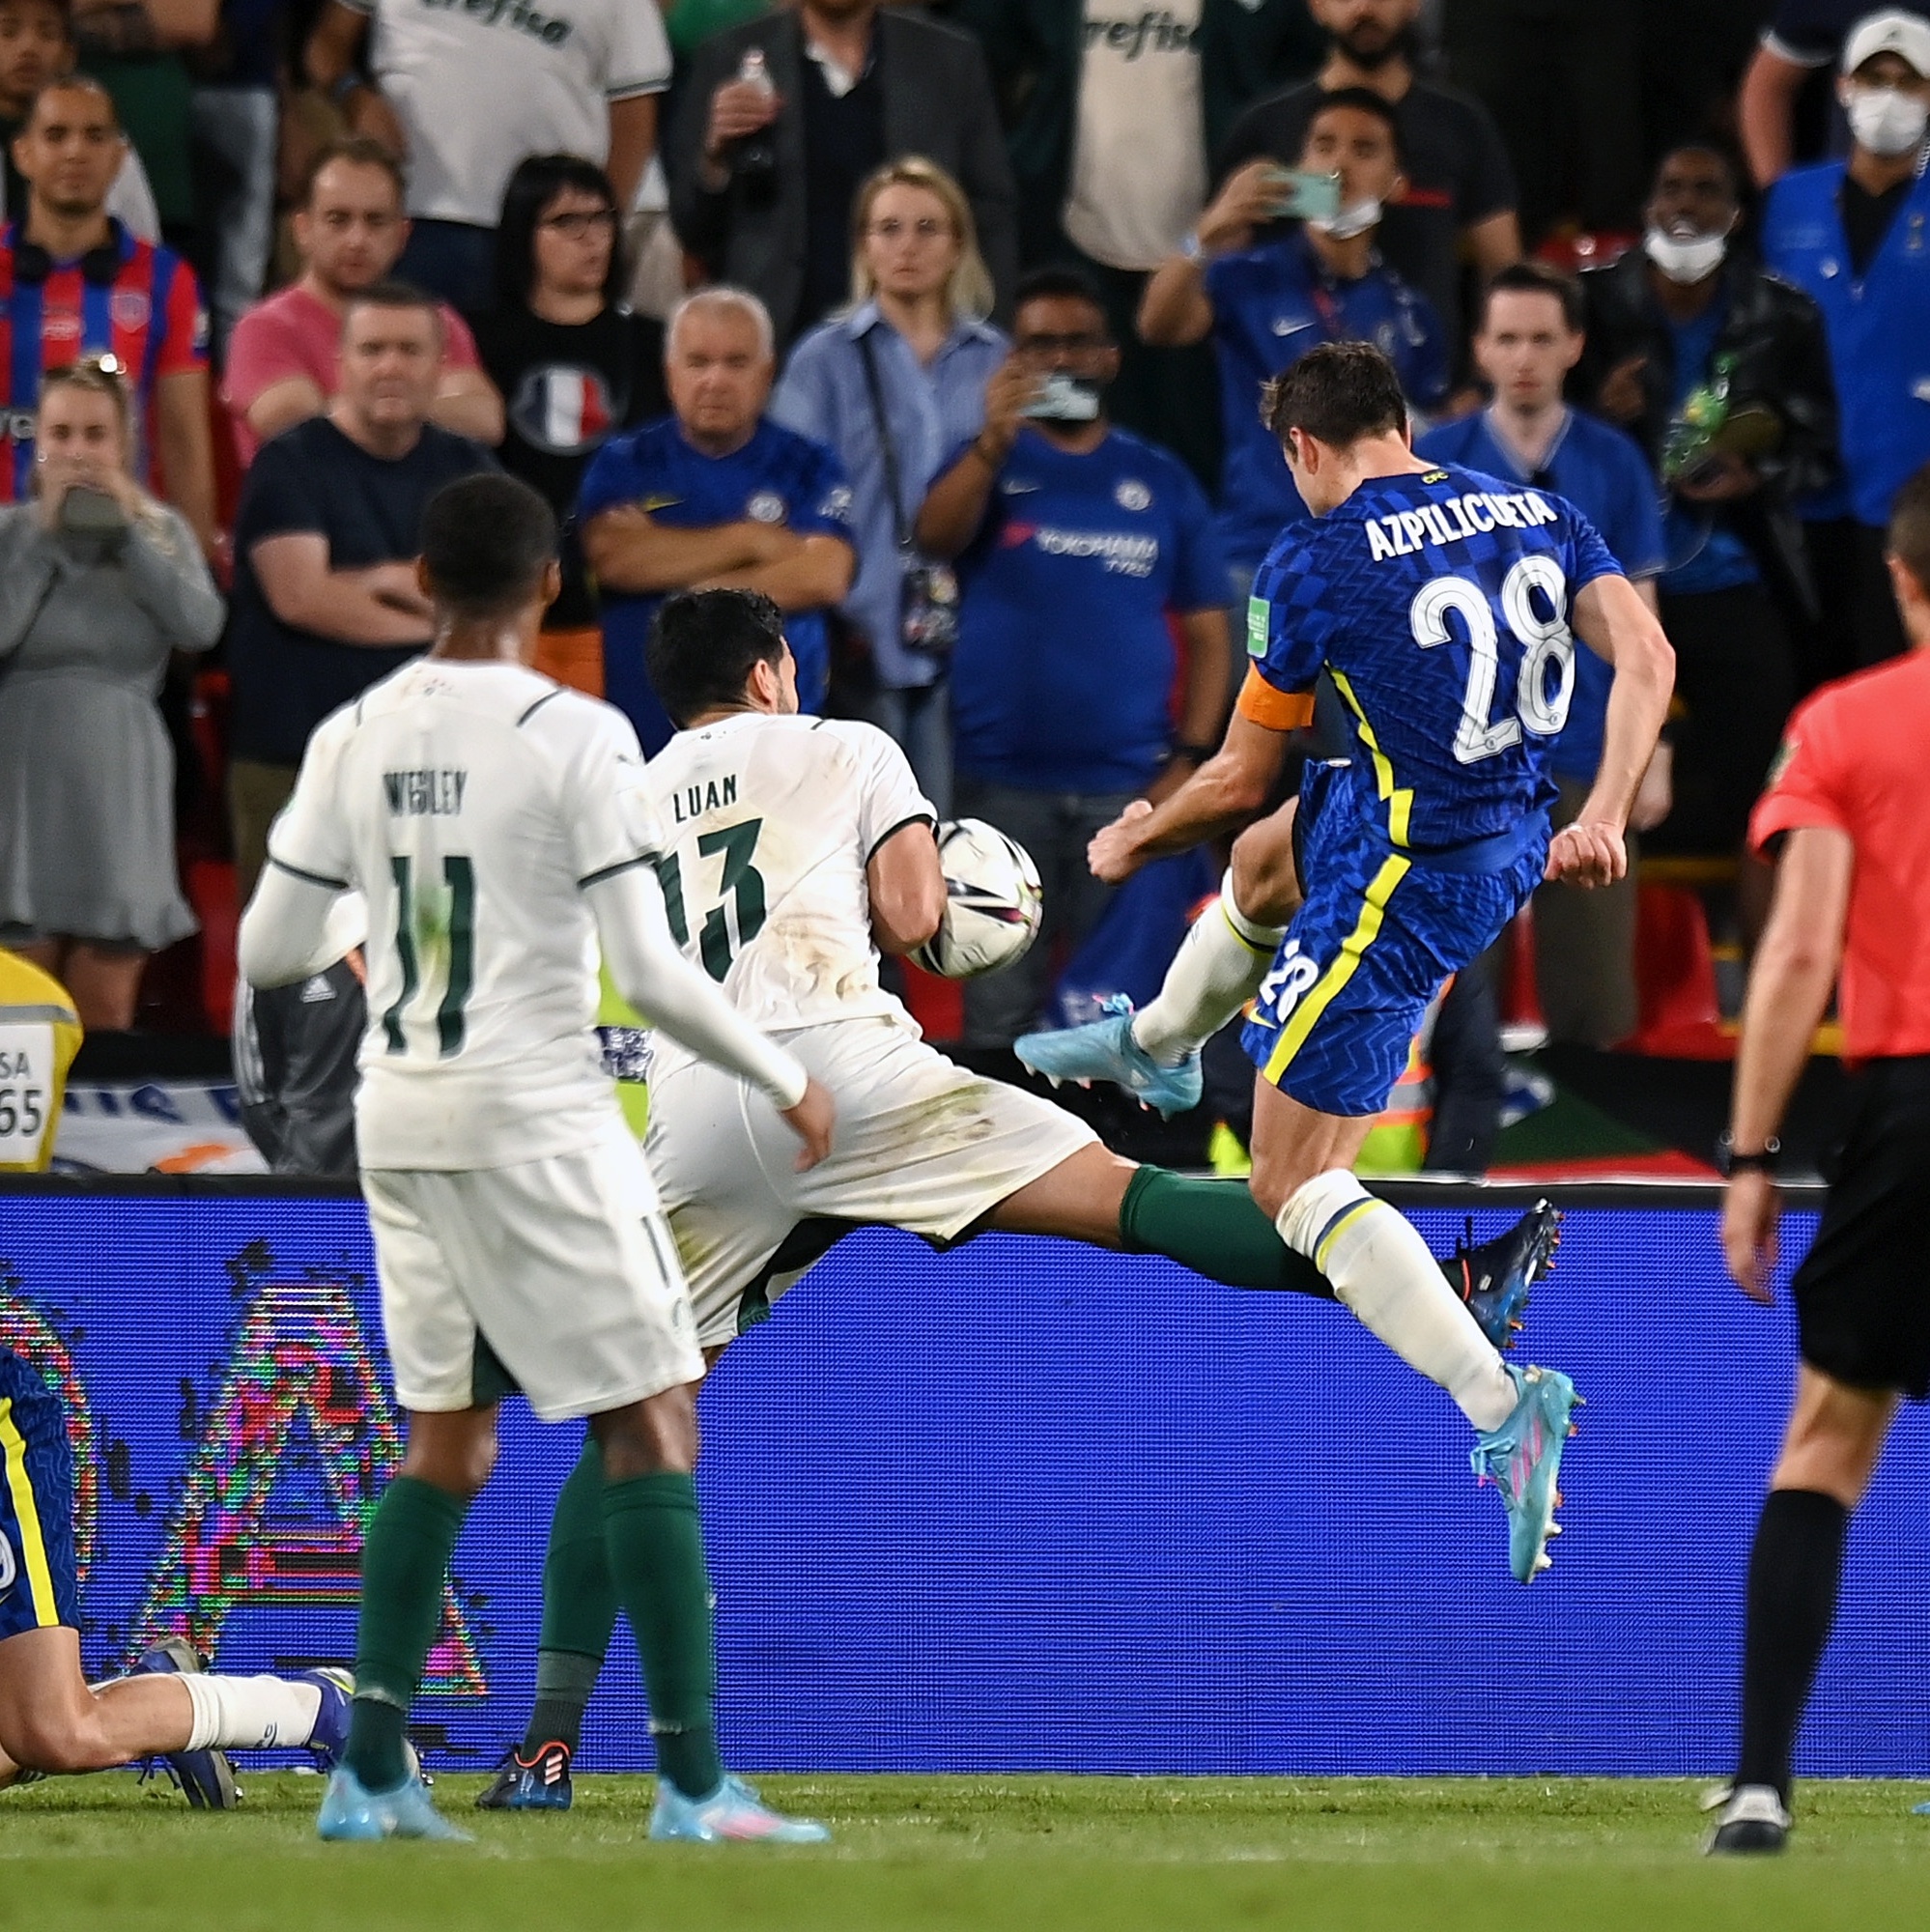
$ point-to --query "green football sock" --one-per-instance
(405, 1568)
(655, 1556)
(1215, 1228)
(579, 1609)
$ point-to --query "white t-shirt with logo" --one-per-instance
(470, 804)
(481, 84)
(1139, 150)
(768, 823)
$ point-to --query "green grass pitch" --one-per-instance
(1038, 1854)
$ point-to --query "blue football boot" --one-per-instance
(206, 1778)
(540, 1784)
(1522, 1460)
(330, 1735)
(350, 1815)
(1106, 1050)
(1495, 1279)
(732, 1812)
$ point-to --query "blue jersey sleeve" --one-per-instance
(1424, 374)
(1290, 619)
(1585, 557)
(614, 477)
(1200, 575)
(824, 497)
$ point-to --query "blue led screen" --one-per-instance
(1021, 1507)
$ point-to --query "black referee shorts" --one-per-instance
(1862, 1294)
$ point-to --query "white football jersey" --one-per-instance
(470, 803)
(768, 824)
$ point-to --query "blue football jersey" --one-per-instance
(1438, 601)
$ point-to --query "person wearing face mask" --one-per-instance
(1856, 235)
(1720, 371)
(1076, 542)
(1265, 307)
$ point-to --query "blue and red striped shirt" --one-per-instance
(150, 317)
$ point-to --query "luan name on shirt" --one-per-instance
(691, 802)
(1455, 520)
(425, 794)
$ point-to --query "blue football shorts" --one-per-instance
(1376, 937)
(37, 1576)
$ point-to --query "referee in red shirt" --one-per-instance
(74, 283)
(1852, 909)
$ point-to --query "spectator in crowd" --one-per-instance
(138, 51)
(464, 92)
(1804, 37)
(99, 584)
(36, 48)
(1076, 541)
(895, 388)
(716, 496)
(1113, 119)
(1718, 371)
(237, 123)
(1457, 195)
(766, 154)
(1529, 336)
(1563, 80)
(325, 597)
(1267, 305)
(1853, 235)
(349, 230)
(81, 285)
(574, 365)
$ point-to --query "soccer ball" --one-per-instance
(992, 902)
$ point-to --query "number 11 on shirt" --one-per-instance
(424, 920)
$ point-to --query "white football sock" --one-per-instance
(249, 1713)
(1381, 1270)
(1218, 967)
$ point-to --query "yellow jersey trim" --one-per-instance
(1400, 802)
(20, 1484)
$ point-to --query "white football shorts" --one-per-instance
(555, 1276)
(921, 1144)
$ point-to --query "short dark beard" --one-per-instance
(1400, 46)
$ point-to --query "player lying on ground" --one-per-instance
(500, 830)
(1439, 601)
(799, 847)
(52, 1720)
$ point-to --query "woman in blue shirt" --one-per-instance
(893, 387)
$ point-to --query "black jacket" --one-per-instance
(1773, 333)
(938, 103)
(294, 1069)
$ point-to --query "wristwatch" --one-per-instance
(1728, 1161)
(1192, 247)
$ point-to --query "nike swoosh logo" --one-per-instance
(1013, 486)
(1282, 326)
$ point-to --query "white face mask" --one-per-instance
(1356, 219)
(1884, 120)
(1685, 258)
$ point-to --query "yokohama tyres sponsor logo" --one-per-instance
(1123, 556)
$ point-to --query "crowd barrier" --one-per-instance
(1020, 1507)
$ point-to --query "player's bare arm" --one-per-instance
(1789, 991)
(1610, 617)
(1220, 797)
(906, 888)
(631, 551)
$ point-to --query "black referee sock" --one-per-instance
(1795, 1569)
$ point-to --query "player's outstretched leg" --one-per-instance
(579, 1616)
(1380, 1267)
(1155, 1055)
(655, 1559)
(375, 1791)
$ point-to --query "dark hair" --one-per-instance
(703, 644)
(358, 151)
(1336, 394)
(532, 187)
(486, 542)
(393, 295)
(1908, 539)
(1725, 158)
(1366, 102)
(1061, 282)
(1536, 278)
(69, 83)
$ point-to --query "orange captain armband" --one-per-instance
(1260, 703)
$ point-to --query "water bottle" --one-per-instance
(755, 164)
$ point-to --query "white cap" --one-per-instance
(1890, 32)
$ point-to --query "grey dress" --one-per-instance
(86, 770)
